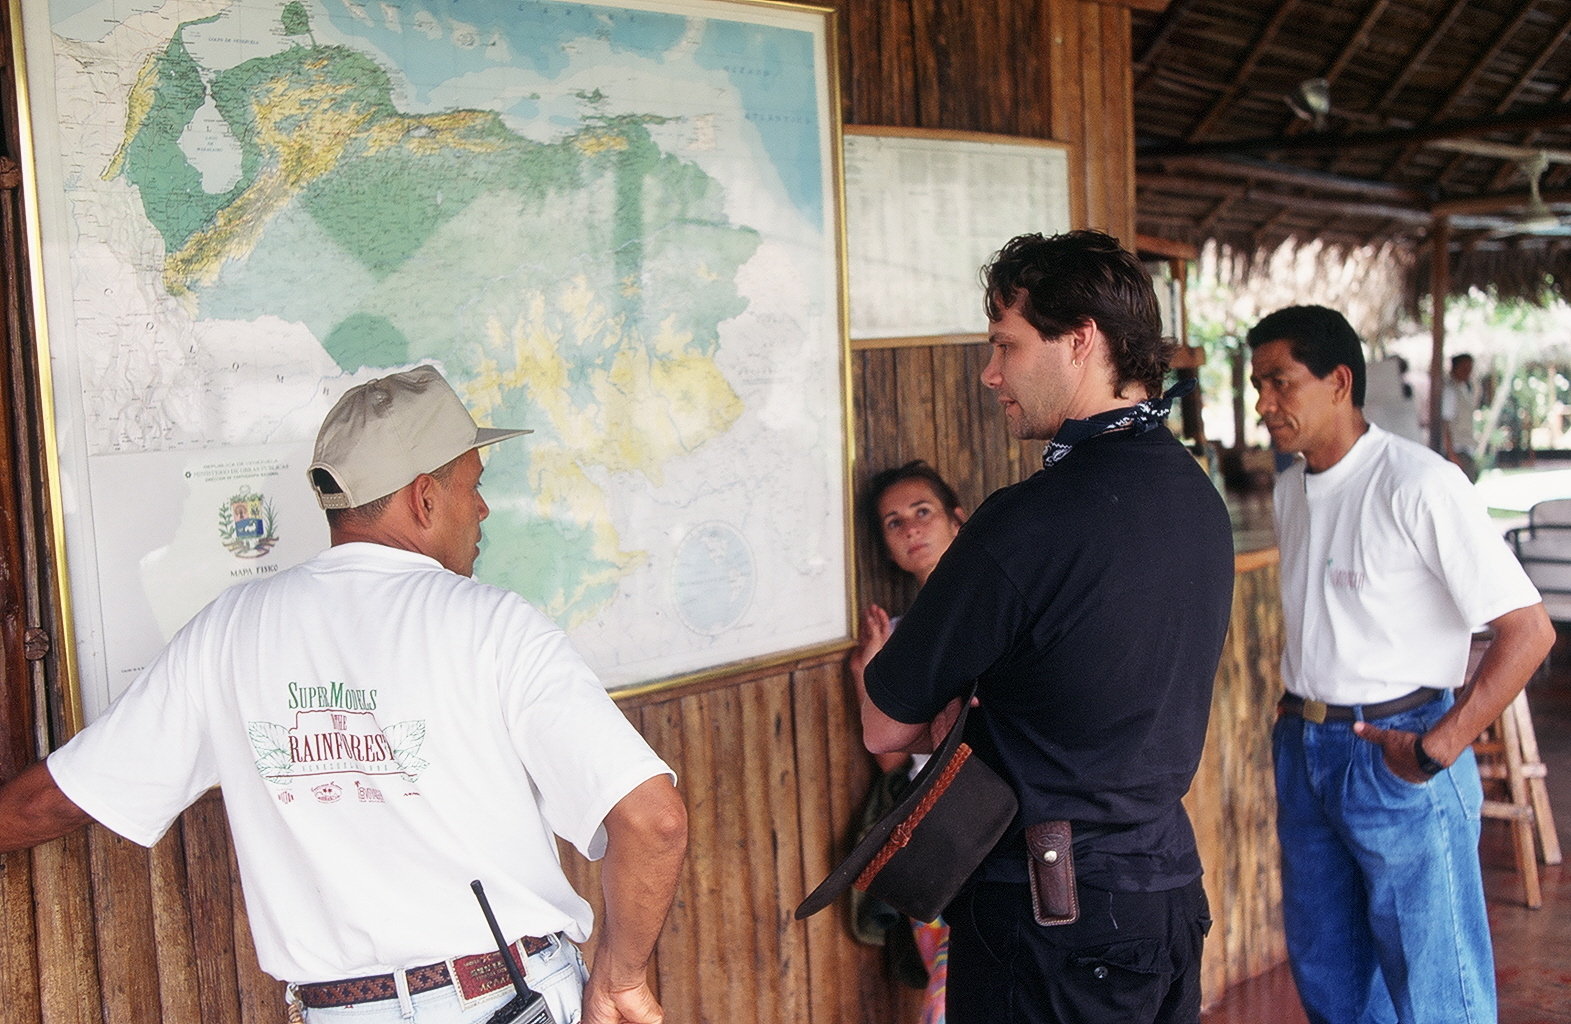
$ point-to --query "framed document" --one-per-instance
(925, 210)
(614, 223)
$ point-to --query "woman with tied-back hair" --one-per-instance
(914, 513)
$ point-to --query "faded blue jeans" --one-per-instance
(1382, 895)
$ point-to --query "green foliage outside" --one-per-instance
(1521, 350)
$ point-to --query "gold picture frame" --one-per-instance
(619, 224)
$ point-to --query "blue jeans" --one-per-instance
(557, 974)
(1382, 894)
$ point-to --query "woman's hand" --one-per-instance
(875, 632)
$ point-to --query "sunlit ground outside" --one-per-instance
(1509, 493)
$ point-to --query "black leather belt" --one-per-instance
(1318, 711)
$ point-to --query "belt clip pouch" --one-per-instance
(1054, 898)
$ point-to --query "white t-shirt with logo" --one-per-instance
(384, 731)
(1389, 562)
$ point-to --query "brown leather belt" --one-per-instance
(1318, 711)
(482, 973)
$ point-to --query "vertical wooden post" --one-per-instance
(1240, 374)
(1439, 288)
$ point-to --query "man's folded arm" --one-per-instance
(34, 810)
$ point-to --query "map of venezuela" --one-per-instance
(613, 225)
(615, 358)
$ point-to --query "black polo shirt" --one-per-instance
(1090, 603)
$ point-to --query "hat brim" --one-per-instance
(491, 435)
(848, 870)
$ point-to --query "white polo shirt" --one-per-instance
(1389, 562)
(384, 731)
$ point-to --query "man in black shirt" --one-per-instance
(1089, 604)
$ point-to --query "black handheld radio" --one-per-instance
(528, 1006)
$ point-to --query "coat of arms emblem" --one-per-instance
(247, 525)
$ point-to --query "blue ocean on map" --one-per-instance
(769, 67)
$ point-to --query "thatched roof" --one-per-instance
(1439, 112)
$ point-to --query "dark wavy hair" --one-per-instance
(1071, 279)
(1318, 337)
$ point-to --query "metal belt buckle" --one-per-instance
(1314, 711)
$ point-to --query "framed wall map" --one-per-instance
(925, 209)
(614, 223)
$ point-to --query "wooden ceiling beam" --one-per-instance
(1230, 193)
(1556, 175)
(1198, 85)
(1344, 57)
(1248, 169)
(1208, 222)
(1359, 41)
(1498, 203)
(1509, 152)
(1265, 229)
(1543, 115)
(1165, 247)
(1419, 58)
(1556, 40)
(1417, 70)
(1337, 207)
(1170, 21)
(1465, 87)
(1246, 69)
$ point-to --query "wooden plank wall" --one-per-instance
(93, 928)
(1233, 800)
(803, 725)
(20, 517)
(926, 403)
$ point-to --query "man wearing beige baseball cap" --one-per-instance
(385, 730)
(385, 456)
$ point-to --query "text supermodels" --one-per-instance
(333, 695)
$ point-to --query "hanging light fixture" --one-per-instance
(1311, 101)
(1538, 216)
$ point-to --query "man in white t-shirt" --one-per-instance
(1389, 561)
(1458, 434)
(386, 729)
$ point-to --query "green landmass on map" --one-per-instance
(576, 287)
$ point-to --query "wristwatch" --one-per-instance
(1426, 764)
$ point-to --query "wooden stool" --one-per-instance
(1508, 752)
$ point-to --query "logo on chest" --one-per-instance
(1345, 578)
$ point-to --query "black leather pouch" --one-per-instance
(1054, 897)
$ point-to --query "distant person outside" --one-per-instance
(1458, 432)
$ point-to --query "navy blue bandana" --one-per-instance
(1137, 419)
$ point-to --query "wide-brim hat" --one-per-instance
(382, 434)
(916, 857)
